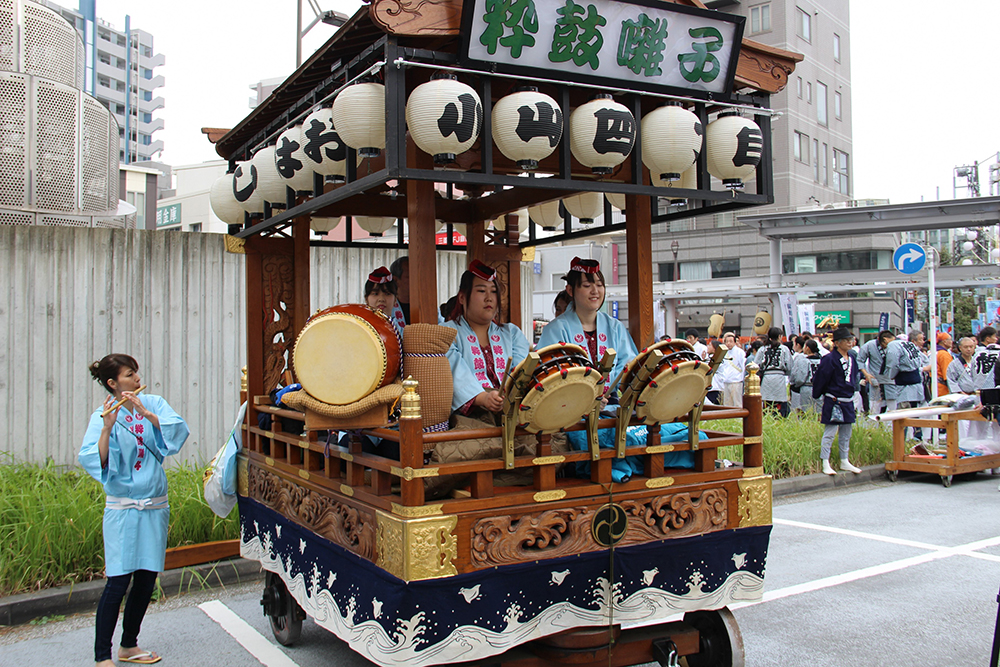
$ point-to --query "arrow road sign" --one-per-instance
(909, 258)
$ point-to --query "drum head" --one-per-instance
(673, 392)
(339, 358)
(666, 347)
(547, 355)
(559, 399)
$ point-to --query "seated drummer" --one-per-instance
(482, 346)
(584, 324)
(380, 293)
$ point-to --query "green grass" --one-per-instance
(50, 523)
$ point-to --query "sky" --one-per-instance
(924, 98)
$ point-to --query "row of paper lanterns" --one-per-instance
(444, 117)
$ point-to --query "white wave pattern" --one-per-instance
(407, 647)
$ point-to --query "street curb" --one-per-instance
(820, 482)
(79, 598)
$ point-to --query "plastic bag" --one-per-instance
(220, 475)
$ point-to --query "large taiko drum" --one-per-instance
(562, 388)
(346, 352)
(676, 386)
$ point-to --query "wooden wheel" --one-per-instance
(720, 639)
(282, 610)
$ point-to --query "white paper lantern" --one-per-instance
(444, 117)
(671, 141)
(290, 160)
(972, 234)
(966, 262)
(734, 146)
(522, 221)
(527, 126)
(324, 151)
(586, 206)
(359, 116)
(688, 181)
(375, 225)
(602, 133)
(546, 215)
(269, 182)
(245, 187)
(224, 203)
(616, 199)
(995, 254)
(323, 225)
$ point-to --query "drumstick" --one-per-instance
(121, 402)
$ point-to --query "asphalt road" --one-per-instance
(876, 574)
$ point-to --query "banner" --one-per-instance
(807, 317)
(992, 312)
(789, 313)
(948, 328)
(977, 326)
(911, 314)
(883, 321)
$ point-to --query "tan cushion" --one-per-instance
(384, 395)
(424, 346)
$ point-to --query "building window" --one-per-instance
(196, 227)
(696, 270)
(841, 177)
(147, 51)
(760, 18)
(800, 147)
(104, 34)
(666, 272)
(804, 27)
(798, 86)
(147, 95)
(809, 92)
(837, 102)
(121, 40)
(826, 165)
(836, 47)
(120, 109)
(147, 118)
(120, 86)
(851, 260)
(821, 113)
(104, 58)
(816, 160)
(104, 81)
(138, 199)
(726, 268)
(147, 73)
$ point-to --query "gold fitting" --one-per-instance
(346, 490)
(547, 460)
(752, 386)
(659, 482)
(410, 474)
(234, 245)
(304, 474)
(243, 379)
(269, 461)
(410, 401)
(659, 449)
(753, 440)
(549, 496)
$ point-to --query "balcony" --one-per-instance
(157, 60)
(147, 152)
(151, 106)
(149, 128)
(152, 84)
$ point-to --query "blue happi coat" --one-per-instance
(831, 382)
(610, 334)
(134, 539)
(468, 363)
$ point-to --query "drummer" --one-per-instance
(479, 356)
(381, 289)
(584, 324)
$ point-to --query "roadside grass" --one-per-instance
(51, 517)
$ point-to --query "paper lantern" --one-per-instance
(324, 151)
(734, 146)
(270, 185)
(522, 221)
(224, 203)
(444, 117)
(688, 181)
(546, 215)
(616, 199)
(245, 190)
(527, 126)
(359, 116)
(586, 206)
(290, 160)
(671, 141)
(375, 225)
(323, 225)
(602, 133)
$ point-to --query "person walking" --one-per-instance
(873, 363)
(803, 370)
(124, 446)
(835, 382)
(775, 362)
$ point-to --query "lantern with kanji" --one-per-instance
(527, 126)
(734, 145)
(546, 215)
(290, 160)
(271, 186)
(244, 180)
(324, 151)
(359, 116)
(586, 206)
(602, 133)
(671, 141)
(375, 225)
(223, 201)
(444, 117)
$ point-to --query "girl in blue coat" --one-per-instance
(124, 451)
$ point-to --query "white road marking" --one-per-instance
(856, 533)
(254, 642)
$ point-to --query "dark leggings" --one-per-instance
(781, 407)
(143, 582)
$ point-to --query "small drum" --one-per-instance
(346, 352)
(677, 384)
(561, 390)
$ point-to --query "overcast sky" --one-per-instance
(925, 97)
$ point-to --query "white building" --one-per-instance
(189, 209)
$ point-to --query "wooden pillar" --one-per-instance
(513, 304)
(639, 260)
(300, 244)
(420, 212)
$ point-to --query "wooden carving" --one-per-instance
(341, 524)
(503, 540)
(277, 280)
(765, 67)
(417, 17)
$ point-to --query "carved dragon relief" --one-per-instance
(503, 540)
(763, 71)
(341, 524)
(423, 17)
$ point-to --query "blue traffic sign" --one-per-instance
(909, 258)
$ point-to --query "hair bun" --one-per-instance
(94, 371)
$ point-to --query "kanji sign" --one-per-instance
(658, 46)
(168, 215)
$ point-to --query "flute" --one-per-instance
(121, 402)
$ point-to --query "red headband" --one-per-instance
(380, 275)
(585, 265)
(481, 270)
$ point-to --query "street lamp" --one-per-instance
(674, 247)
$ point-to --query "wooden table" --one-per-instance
(952, 463)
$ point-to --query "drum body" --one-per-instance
(676, 386)
(561, 389)
(346, 352)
